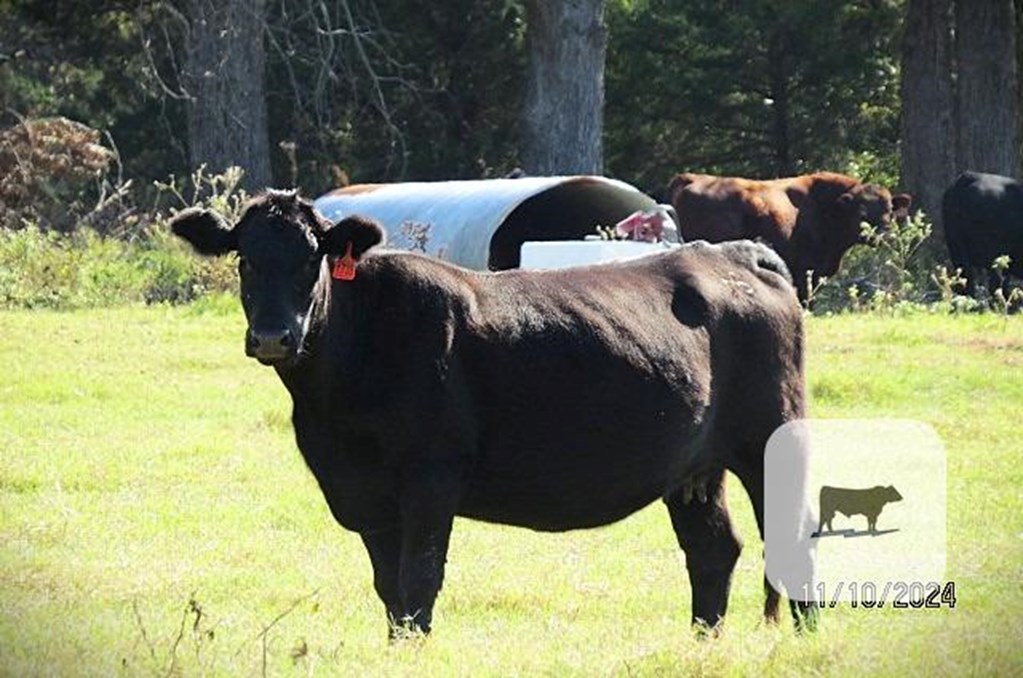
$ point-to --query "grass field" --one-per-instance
(156, 519)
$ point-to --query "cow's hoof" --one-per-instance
(406, 630)
(705, 631)
(807, 616)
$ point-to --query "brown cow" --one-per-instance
(810, 220)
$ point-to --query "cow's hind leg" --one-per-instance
(705, 533)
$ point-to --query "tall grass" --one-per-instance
(64, 271)
(127, 257)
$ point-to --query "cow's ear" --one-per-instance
(846, 201)
(319, 222)
(901, 203)
(205, 230)
(361, 232)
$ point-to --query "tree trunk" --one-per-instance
(987, 92)
(223, 76)
(928, 132)
(563, 121)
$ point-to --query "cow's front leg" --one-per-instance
(384, 547)
(429, 498)
(705, 533)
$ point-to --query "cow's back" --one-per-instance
(718, 209)
(617, 376)
(983, 219)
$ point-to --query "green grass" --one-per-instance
(155, 518)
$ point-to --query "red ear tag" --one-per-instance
(344, 268)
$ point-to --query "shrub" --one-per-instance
(46, 269)
(51, 171)
(219, 192)
(894, 268)
(107, 256)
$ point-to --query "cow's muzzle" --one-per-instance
(270, 347)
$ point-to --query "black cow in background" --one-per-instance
(983, 220)
(553, 400)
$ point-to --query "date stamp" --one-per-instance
(869, 595)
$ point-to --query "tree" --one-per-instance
(563, 118)
(81, 60)
(987, 87)
(760, 89)
(397, 90)
(928, 161)
(452, 74)
(960, 95)
(223, 81)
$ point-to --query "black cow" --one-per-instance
(983, 220)
(553, 400)
(869, 503)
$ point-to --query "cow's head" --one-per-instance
(281, 242)
(891, 494)
(871, 204)
(901, 202)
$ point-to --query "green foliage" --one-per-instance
(93, 62)
(373, 91)
(467, 66)
(221, 193)
(765, 89)
(135, 261)
(879, 167)
(85, 270)
(1005, 301)
(893, 271)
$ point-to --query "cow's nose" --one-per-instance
(269, 345)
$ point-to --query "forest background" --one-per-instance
(108, 108)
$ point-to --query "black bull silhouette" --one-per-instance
(869, 502)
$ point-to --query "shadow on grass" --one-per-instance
(848, 533)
